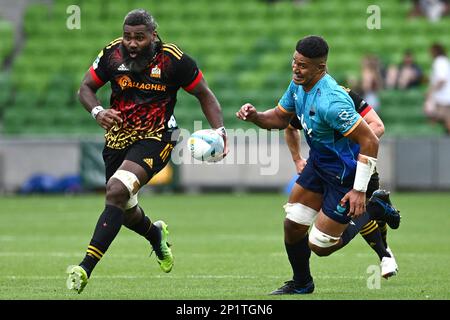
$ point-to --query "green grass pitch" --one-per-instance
(226, 246)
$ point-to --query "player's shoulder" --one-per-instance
(109, 48)
(113, 44)
(172, 50)
(333, 92)
(334, 98)
(105, 53)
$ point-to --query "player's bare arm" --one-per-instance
(106, 118)
(211, 108)
(293, 138)
(209, 103)
(369, 143)
(270, 119)
(374, 122)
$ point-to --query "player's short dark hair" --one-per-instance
(312, 47)
(138, 17)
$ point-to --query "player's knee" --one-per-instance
(122, 189)
(116, 193)
(294, 232)
(319, 251)
(299, 213)
(298, 219)
(321, 243)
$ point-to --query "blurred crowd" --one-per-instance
(375, 76)
(437, 102)
(432, 9)
(405, 75)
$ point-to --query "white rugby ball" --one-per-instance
(206, 145)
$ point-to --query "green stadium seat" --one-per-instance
(5, 92)
(243, 47)
(7, 36)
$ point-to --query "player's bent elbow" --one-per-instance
(379, 130)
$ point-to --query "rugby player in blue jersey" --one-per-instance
(374, 232)
(343, 156)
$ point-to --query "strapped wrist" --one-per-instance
(222, 131)
(95, 111)
(365, 167)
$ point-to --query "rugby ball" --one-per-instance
(206, 145)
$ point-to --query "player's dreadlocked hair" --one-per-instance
(312, 47)
(141, 17)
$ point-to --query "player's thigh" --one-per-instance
(332, 211)
(306, 197)
(308, 189)
(147, 157)
(302, 207)
(113, 159)
(329, 226)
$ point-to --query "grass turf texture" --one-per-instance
(225, 246)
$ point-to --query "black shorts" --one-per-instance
(150, 154)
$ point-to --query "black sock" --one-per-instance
(383, 229)
(353, 228)
(108, 225)
(146, 229)
(298, 254)
(371, 233)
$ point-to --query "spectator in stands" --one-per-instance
(407, 74)
(371, 80)
(437, 103)
(432, 9)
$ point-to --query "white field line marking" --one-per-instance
(124, 256)
(206, 276)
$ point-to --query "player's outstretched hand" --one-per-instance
(108, 118)
(247, 112)
(357, 202)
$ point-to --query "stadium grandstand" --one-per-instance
(244, 53)
(244, 50)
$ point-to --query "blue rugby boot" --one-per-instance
(290, 287)
(380, 207)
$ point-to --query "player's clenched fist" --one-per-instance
(247, 112)
(108, 118)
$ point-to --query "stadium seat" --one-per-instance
(5, 92)
(7, 36)
(243, 47)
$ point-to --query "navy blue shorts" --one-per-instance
(330, 187)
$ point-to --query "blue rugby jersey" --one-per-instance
(327, 114)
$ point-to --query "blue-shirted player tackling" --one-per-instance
(343, 156)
